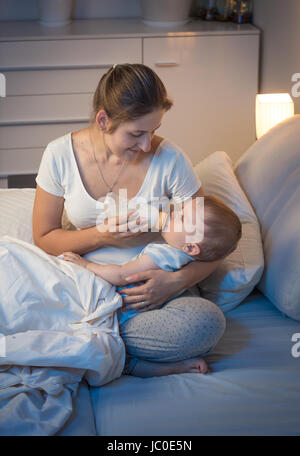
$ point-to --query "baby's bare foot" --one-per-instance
(196, 365)
(151, 369)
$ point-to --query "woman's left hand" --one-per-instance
(158, 288)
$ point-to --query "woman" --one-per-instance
(119, 150)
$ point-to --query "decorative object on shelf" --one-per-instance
(162, 13)
(55, 13)
(239, 11)
(224, 10)
(242, 11)
(207, 10)
(271, 109)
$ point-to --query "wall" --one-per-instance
(279, 21)
(14, 10)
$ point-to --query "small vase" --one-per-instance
(55, 13)
(164, 13)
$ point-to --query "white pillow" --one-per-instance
(16, 206)
(237, 275)
(269, 173)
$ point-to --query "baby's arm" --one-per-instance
(113, 273)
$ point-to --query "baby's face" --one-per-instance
(185, 223)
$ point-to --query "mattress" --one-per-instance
(254, 388)
(81, 422)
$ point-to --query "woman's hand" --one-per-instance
(158, 288)
(162, 285)
(124, 227)
(74, 258)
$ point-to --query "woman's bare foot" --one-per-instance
(151, 369)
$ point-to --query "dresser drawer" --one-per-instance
(213, 82)
(37, 109)
(69, 53)
(34, 136)
(47, 82)
(20, 161)
(22, 146)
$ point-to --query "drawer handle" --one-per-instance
(166, 64)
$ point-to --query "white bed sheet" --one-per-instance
(60, 326)
(254, 389)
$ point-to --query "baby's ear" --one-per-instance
(191, 249)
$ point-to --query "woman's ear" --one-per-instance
(192, 249)
(101, 119)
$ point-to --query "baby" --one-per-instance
(192, 232)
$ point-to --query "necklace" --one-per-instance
(110, 187)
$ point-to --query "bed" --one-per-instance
(254, 388)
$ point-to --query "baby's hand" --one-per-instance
(74, 258)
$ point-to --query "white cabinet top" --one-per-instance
(116, 28)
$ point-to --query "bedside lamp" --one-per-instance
(272, 108)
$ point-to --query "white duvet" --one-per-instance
(58, 325)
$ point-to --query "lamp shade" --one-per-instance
(272, 108)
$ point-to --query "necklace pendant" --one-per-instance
(112, 195)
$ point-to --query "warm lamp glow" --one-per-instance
(272, 108)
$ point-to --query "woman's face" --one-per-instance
(135, 136)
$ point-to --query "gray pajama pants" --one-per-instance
(185, 327)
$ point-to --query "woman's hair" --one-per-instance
(222, 230)
(129, 91)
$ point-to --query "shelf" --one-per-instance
(116, 28)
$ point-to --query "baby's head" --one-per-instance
(222, 229)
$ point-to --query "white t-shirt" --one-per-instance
(169, 175)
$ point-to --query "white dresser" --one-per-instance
(209, 69)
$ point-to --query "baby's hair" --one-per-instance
(222, 230)
(128, 91)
